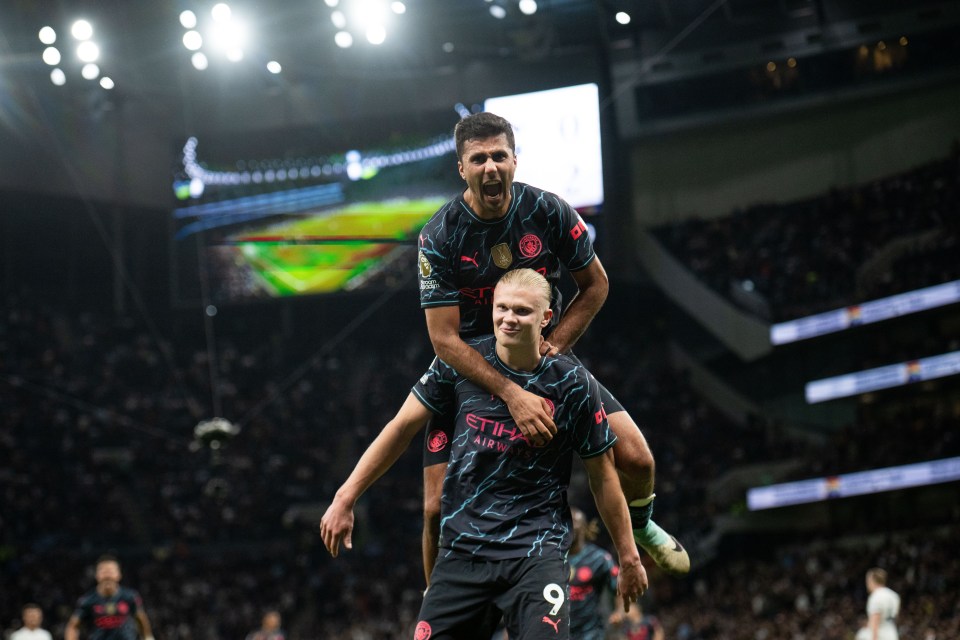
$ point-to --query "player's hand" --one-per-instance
(632, 582)
(533, 415)
(546, 348)
(336, 527)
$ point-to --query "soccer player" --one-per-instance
(496, 225)
(32, 616)
(114, 612)
(883, 606)
(505, 527)
(593, 573)
(269, 627)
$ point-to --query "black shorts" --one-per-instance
(531, 593)
(439, 433)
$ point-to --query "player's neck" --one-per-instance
(107, 590)
(519, 357)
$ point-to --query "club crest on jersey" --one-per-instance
(530, 245)
(502, 257)
(437, 441)
(425, 267)
(423, 631)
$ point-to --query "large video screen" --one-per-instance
(339, 208)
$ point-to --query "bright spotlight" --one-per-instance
(332, 3)
(47, 35)
(90, 71)
(274, 67)
(88, 51)
(199, 61)
(376, 34)
(235, 54)
(106, 83)
(338, 19)
(188, 19)
(51, 55)
(192, 40)
(58, 77)
(82, 30)
(221, 12)
(343, 39)
(398, 8)
(498, 12)
(623, 17)
(528, 7)
(228, 36)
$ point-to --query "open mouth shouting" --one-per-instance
(493, 189)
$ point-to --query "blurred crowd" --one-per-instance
(99, 452)
(98, 433)
(853, 244)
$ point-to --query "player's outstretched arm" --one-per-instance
(72, 630)
(592, 289)
(146, 632)
(530, 412)
(336, 526)
(605, 486)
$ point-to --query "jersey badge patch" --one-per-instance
(502, 257)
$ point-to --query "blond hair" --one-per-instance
(529, 279)
(878, 575)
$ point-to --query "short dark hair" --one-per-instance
(31, 605)
(479, 126)
(107, 557)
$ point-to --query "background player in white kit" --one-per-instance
(883, 605)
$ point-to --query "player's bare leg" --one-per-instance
(636, 466)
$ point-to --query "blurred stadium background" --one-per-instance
(779, 220)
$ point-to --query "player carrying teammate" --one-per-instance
(494, 226)
(505, 527)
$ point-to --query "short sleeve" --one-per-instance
(435, 388)
(435, 271)
(574, 246)
(591, 433)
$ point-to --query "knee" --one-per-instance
(633, 456)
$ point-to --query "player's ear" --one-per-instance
(547, 315)
(460, 169)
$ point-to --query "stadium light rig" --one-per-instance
(222, 34)
(87, 53)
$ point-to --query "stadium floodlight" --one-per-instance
(274, 67)
(343, 39)
(90, 71)
(498, 12)
(188, 19)
(622, 17)
(332, 3)
(199, 61)
(228, 36)
(221, 12)
(88, 51)
(376, 34)
(398, 7)
(106, 83)
(82, 30)
(51, 55)
(528, 7)
(338, 19)
(235, 54)
(58, 77)
(47, 35)
(192, 40)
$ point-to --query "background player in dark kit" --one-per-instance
(496, 225)
(112, 612)
(593, 577)
(506, 525)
